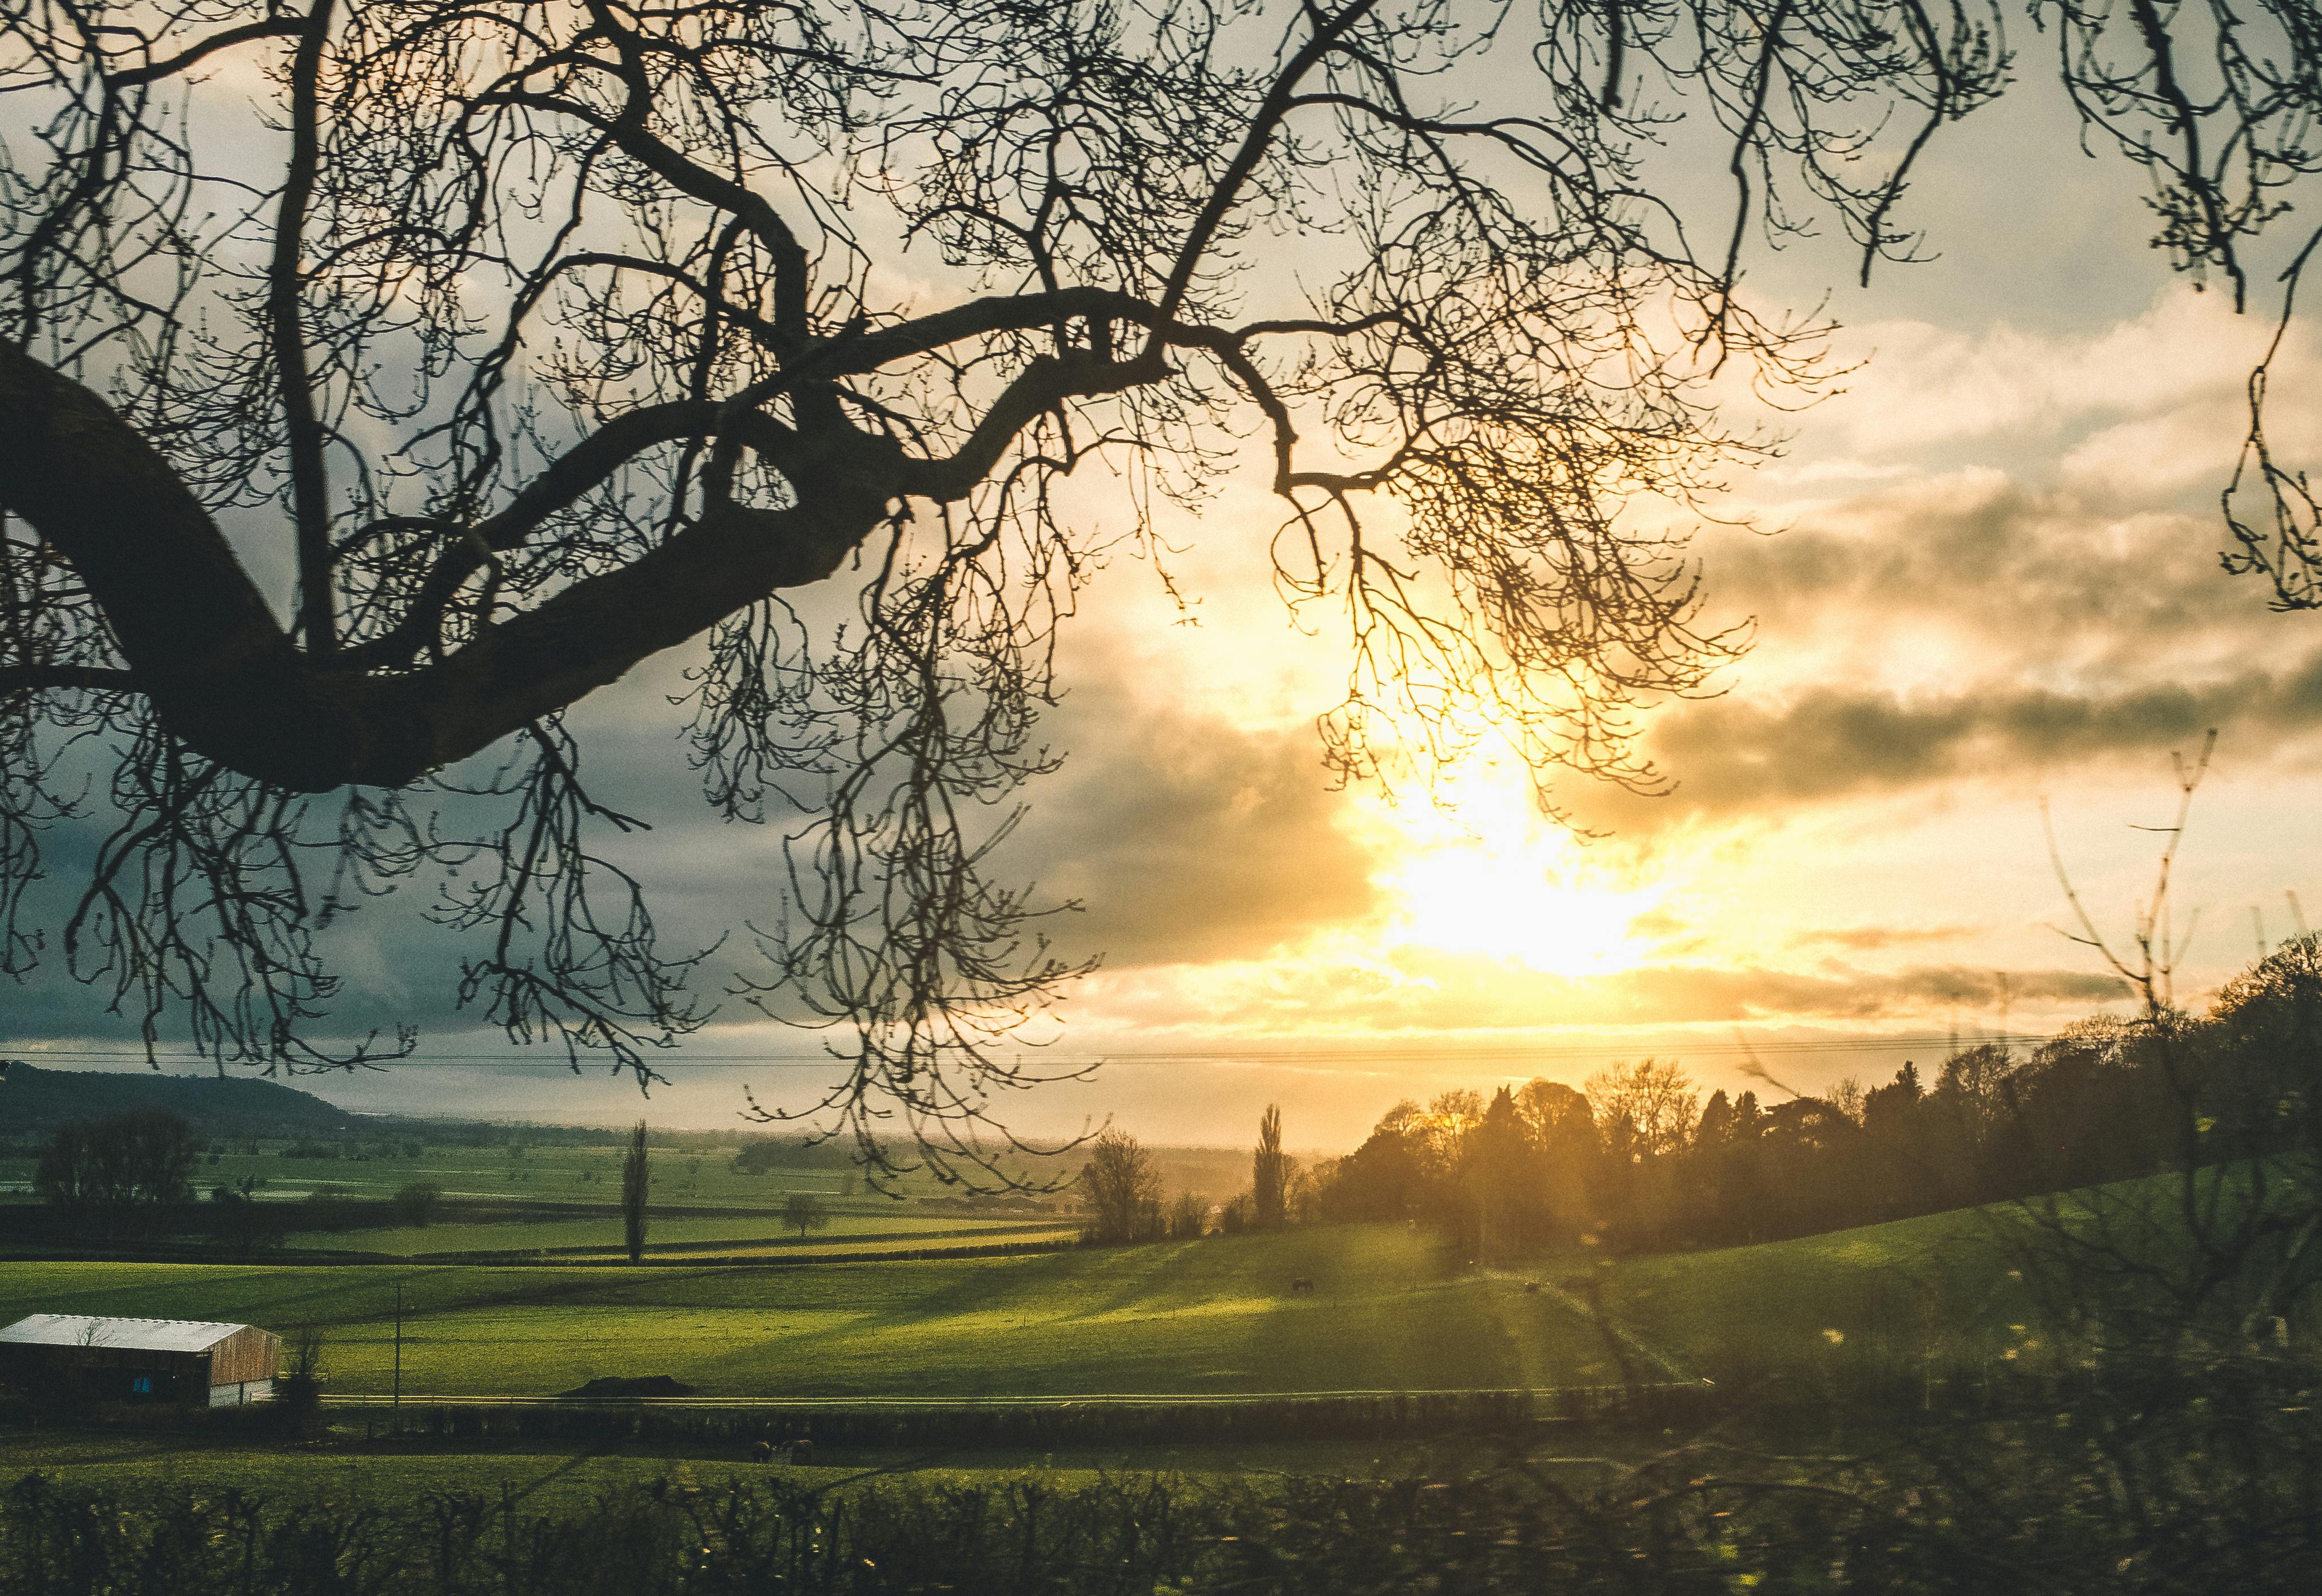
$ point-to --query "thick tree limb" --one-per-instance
(303, 429)
(44, 679)
(224, 676)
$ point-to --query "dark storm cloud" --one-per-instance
(1185, 839)
(1830, 743)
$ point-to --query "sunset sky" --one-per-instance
(1986, 575)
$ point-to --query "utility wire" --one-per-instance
(1377, 1054)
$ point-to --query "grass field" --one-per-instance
(603, 1235)
(1933, 1293)
(1387, 1312)
(523, 1172)
(1390, 1311)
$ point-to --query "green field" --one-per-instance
(735, 1234)
(1390, 1311)
(522, 1170)
(1934, 1294)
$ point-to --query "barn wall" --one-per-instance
(109, 1374)
(249, 1353)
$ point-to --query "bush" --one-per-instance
(1680, 1525)
(414, 1206)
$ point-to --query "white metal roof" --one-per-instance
(77, 1329)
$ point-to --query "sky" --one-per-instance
(1983, 580)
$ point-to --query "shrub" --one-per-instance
(415, 1204)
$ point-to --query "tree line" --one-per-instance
(1638, 1159)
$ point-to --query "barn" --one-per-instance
(183, 1362)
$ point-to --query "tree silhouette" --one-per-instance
(1121, 1188)
(1269, 1174)
(104, 1174)
(804, 1212)
(636, 1191)
(380, 379)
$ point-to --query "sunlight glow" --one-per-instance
(1501, 882)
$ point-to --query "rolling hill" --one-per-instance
(35, 1101)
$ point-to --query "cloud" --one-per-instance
(1962, 625)
(1189, 839)
(1972, 572)
(1924, 385)
(1871, 939)
(1834, 742)
(1416, 992)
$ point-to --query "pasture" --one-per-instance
(600, 1235)
(526, 1172)
(1390, 1311)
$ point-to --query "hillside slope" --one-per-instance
(35, 1101)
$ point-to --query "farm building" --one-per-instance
(181, 1362)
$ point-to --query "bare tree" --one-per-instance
(1657, 1100)
(1122, 1188)
(2225, 1249)
(380, 379)
(637, 1189)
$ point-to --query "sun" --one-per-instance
(1500, 882)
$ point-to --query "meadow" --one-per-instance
(1390, 1310)
(728, 1235)
(517, 1170)
(527, 1197)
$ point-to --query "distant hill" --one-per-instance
(35, 1101)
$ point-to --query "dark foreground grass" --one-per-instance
(2020, 1516)
(142, 1466)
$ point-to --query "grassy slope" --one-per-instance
(1936, 1285)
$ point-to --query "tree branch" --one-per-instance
(309, 486)
(272, 28)
(44, 679)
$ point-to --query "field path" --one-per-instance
(1602, 1322)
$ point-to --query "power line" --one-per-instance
(1786, 1048)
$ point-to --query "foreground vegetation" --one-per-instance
(2002, 1505)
